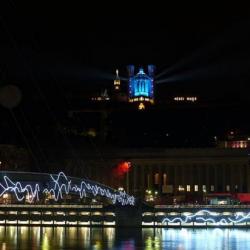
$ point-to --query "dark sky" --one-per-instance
(53, 50)
(76, 43)
(202, 48)
(199, 48)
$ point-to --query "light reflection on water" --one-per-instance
(46, 238)
(196, 239)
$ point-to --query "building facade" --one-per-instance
(179, 173)
(164, 174)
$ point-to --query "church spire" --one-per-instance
(117, 82)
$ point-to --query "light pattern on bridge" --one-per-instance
(60, 184)
(211, 217)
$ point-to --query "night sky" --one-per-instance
(77, 43)
(57, 52)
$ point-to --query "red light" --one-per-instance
(122, 169)
(124, 166)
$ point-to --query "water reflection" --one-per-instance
(46, 238)
(196, 239)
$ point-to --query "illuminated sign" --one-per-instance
(60, 184)
(185, 98)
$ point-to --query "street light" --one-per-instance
(128, 165)
(122, 171)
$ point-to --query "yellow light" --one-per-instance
(181, 188)
(5, 196)
(4, 246)
(141, 106)
(117, 82)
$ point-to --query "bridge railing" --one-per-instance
(48, 206)
(201, 206)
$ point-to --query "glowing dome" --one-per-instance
(141, 85)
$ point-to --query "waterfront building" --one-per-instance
(186, 175)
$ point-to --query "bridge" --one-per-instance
(40, 188)
(56, 199)
(45, 199)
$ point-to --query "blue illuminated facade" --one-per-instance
(141, 85)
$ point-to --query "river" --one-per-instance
(46, 238)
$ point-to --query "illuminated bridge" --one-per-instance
(39, 188)
(197, 216)
(45, 199)
(56, 199)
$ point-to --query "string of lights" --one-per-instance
(208, 216)
(62, 185)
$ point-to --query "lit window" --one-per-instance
(204, 188)
(228, 188)
(196, 188)
(179, 98)
(191, 98)
(236, 187)
(164, 179)
(5, 196)
(188, 188)
(212, 188)
(239, 144)
(181, 188)
(157, 179)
